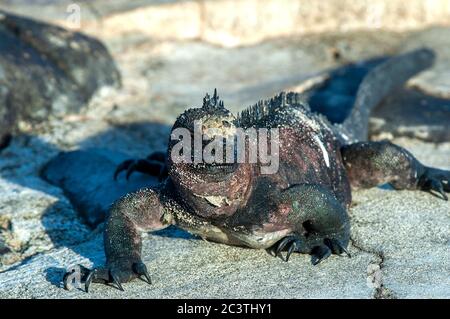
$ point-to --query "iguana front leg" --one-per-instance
(129, 216)
(373, 163)
(319, 222)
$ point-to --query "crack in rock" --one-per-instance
(375, 273)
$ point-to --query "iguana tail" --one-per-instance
(378, 83)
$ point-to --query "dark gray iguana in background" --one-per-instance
(302, 208)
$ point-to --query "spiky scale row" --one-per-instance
(212, 103)
(264, 108)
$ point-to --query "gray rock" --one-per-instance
(46, 70)
(5, 226)
(410, 233)
(192, 268)
(39, 221)
(3, 246)
(86, 177)
(409, 230)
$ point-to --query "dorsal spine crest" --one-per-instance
(212, 103)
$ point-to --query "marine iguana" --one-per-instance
(302, 207)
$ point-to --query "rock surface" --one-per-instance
(47, 71)
(87, 180)
(400, 240)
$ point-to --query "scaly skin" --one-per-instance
(301, 208)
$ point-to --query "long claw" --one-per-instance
(345, 250)
(336, 247)
(116, 280)
(121, 167)
(141, 270)
(153, 165)
(435, 181)
(291, 250)
(438, 187)
(292, 242)
(320, 253)
(67, 286)
(282, 244)
(89, 278)
(130, 170)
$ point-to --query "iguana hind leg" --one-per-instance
(153, 165)
(370, 164)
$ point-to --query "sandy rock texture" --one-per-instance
(400, 239)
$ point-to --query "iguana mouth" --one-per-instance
(216, 169)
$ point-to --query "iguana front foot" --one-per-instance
(336, 246)
(323, 251)
(116, 273)
(294, 243)
(153, 165)
(122, 271)
(130, 216)
(291, 243)
(319, 253)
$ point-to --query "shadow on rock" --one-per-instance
(406, 112)
(86, 179)
(86, 175)
(335, 96)
(54, 274)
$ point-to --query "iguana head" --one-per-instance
(201, 159)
